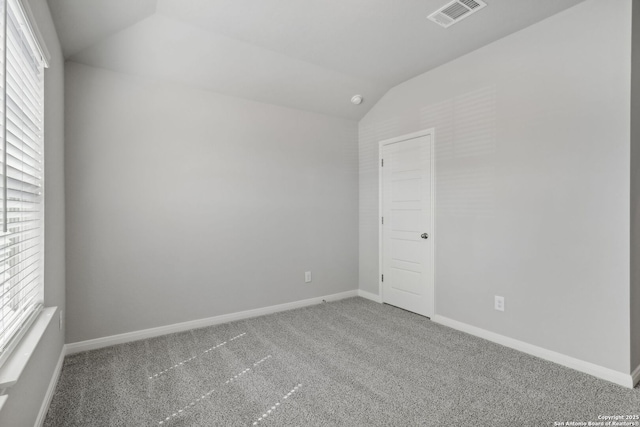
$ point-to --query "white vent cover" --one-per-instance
(455, 11)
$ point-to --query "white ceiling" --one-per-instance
(82, 24)
(311, 54)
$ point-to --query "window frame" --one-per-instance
(35, 48)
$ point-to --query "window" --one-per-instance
(21, 174)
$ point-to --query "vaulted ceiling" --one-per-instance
(307, 54)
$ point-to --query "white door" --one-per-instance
(406, 224)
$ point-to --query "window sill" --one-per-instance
(12, 368)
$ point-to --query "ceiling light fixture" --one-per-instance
(356, 100)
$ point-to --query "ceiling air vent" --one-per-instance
(455, 11)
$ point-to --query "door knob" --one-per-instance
(424, 235)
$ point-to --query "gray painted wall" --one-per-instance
(532, 185)
(25, 398)
(635, 190)
(184, 204)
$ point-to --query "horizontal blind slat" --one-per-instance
(16, 148)
(22, 120)
(26, 137)
(19, 195)
(21, 98)
(29, 297)
(28, 258)
(13, 286)
(19, 163)
(17, 55)
(21, 175)
(33, 251)
(13, 235)
(22, 250)
(30, 270)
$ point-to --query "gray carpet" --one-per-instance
(346, 363)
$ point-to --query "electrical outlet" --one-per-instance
(307, 277)
(499, 303)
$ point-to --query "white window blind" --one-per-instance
(21, 175)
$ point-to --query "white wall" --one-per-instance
(185, 204)
(25, 398)
(533, 180)
(635, 191)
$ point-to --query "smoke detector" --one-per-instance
(455, 11)
(356, 100)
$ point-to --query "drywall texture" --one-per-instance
(25, 398)
(184, 204)
(635, 189)
(532, 182)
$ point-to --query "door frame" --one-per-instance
(432, 234)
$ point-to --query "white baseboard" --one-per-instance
(635, 376)
(601, 372)
(93, 344)
(50, 390)
(370, 296)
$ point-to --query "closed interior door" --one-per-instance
(407, 241)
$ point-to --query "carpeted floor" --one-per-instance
(346, 363)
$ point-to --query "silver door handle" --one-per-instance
(424, 235)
